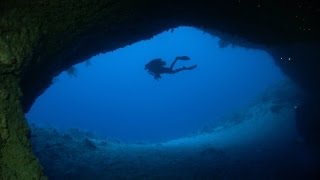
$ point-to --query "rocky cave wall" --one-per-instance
(40, 38)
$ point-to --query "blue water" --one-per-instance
(113, 96)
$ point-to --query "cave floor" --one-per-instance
(259, 143)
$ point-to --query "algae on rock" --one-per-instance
(16, 158)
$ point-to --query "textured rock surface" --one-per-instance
(16, 158)
(254, 143)
(40, 38)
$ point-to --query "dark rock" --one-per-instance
(308, 121)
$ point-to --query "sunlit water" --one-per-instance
(113, 96)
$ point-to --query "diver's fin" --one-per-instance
(185, 58)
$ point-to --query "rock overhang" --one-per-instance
(40, 38)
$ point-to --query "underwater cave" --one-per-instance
(112, 95)
(236, 107)
(79, 81)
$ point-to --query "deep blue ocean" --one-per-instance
(113, 96)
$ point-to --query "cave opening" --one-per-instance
(236, 107)
(112, 95)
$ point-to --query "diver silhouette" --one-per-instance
(156, 67)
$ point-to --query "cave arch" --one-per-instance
(39, 39)
(152, 110)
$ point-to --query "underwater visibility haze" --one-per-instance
(113, 96)
(229, 114)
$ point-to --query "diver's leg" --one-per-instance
(173, 63)
(184, 68)
(178, 70)
(191, 67)
(184, 58)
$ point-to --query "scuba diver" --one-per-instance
(156, 67)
